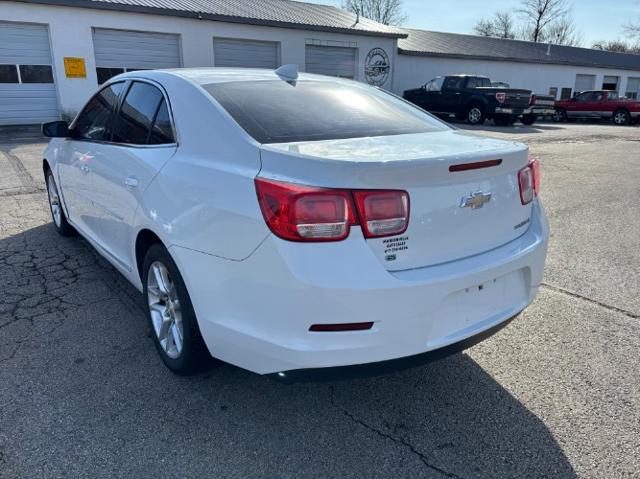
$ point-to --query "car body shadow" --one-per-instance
(516, 129)
(81, 380)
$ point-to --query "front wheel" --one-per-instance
(55, 206)
(172, 319)
(476, 115)
(559, 115)
(621, 117)
(528, 120)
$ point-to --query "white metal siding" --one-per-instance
(26, 103)
(585, 82)
(333, 61)
(231, 52)
(144, 50)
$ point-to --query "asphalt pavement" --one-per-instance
(556, 394)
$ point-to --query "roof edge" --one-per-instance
(416, 53)
(119, 7)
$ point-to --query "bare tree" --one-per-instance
(618, 46)
(387, 12)
(562, 32)
(500, 26)
(538, 15)
(632, 30)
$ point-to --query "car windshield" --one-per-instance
(283, 112)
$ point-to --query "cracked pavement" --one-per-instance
(556, 394)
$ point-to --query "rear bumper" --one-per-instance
(256, 313)
(512, 111)
(543, 111)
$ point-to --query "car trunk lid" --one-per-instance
(455, 211)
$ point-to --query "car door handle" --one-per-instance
(131, 182)
(84, 168)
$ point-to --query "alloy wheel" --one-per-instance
(620, 118)
(164, 307)
(474, 115)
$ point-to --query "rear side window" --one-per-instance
(94, 122)
(454, 83)
(282, 112)
(142, 107)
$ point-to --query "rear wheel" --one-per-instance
(528, 119)
(55, 206)
(476, 115)
(171, 315)
(621, 117)
(559, 115)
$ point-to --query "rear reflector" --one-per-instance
(478, 165)
(341, 327)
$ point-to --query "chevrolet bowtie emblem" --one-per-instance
(475, 200)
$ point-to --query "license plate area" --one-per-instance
(468, 310)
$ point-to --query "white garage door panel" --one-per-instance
(125, 49)
(24, 44)
(334, 61)
(585, 82)
(26, 103)
(229, 52)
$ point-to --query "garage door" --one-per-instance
(231, 52)
(27, 92)
(585, 82)
(633, 88)
(118, 51)
(333, 61)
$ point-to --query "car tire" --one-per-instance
(560, 115)
(58, 215)
(621, 117)
(476, 115)
(528, 119)
(172, 320)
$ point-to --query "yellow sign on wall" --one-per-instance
(75, 67)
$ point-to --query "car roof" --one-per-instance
(209, 75)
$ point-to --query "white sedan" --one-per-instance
(298, 225)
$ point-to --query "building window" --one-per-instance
(36, 74)
(553, 91)
(610, 83)
(565, 94)
(633, 88)
(9, 74)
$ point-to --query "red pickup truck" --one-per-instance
(598, 104)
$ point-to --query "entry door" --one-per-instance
(142, 142)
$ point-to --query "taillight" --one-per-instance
(533, 99)
(304, 213)
(528, 179)
(501, 97)
(382, 213)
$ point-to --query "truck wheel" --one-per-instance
(621, 117)
(476, 115)
(528, 119)
(560, 115)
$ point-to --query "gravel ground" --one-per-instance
(556, 394)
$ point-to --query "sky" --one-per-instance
(595, 19)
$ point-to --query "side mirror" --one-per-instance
(56, 129)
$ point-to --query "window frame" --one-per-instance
(125, 89)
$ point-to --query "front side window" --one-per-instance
(584, 96)
(143, 113)
(281, 112)
(597, 96)
(94, 122)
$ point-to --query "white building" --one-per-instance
(55, 53)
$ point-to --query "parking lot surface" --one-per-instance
(556, 394)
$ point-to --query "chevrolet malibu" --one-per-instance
(294, 224)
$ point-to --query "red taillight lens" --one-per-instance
(533, 99)
(304, 213)
(501, 97)
(382, 213)
(528, 179)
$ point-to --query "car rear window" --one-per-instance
(283, 112)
